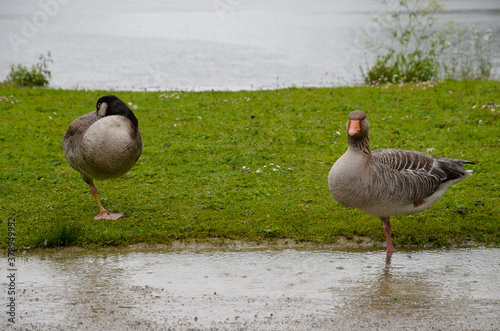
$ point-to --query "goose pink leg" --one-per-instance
(104, 214)
(387, 231)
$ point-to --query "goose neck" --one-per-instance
(359, 144)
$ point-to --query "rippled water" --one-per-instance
(205, 44)
(271, 289)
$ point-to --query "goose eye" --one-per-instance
(98, 105)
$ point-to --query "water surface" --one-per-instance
(205, 44)
(261, 289)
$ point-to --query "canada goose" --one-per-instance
(388, 182)
(103, 144)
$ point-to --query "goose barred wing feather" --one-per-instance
(413, 175)
(401, 186)
(444, 168)
(399, 159)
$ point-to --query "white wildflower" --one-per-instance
(474, 107)
(258, 171)
(135, 107)
(338, 132)
(130, 103)
(431, 150)
(480, 122)
(244, 167)
(199, 117)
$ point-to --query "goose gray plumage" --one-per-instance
(103, 144)
(388, 182)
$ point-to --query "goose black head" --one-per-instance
(358, 125)
(111, 105)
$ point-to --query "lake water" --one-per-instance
(205, 44)
(290, 289)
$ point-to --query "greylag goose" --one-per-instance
(103, 144)
(388, 182)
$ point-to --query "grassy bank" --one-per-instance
(245, 165)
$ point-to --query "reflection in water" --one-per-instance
(392, 288)
(284, 289)
(432, 288)
(97, 285)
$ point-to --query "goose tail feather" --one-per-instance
(451, 169)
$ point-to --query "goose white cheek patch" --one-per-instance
(102, 110)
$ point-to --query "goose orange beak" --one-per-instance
(354, 127)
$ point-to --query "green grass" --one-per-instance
(189, 183)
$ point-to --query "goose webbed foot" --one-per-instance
(106, 215)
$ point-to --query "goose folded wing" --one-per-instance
(399, 159)
(76, 130)
(406, 176)
(392, 186)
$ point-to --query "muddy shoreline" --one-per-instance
(357, 243)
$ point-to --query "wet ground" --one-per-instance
(286, 289)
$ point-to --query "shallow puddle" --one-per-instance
(259, 289)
